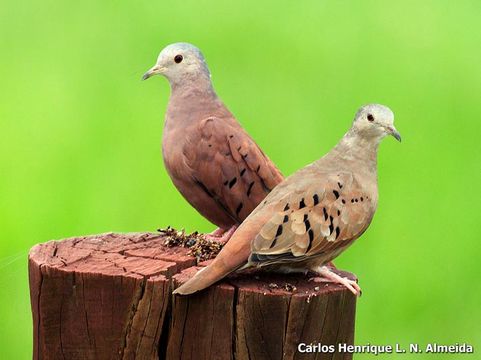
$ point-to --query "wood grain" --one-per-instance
(109, 297)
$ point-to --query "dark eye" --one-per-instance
(370, 117)
(178, 59)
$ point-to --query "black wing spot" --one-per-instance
(338, 212)
(331, 229)
(302, 204)
(343, 201)
(338, 231)
(206, 190)
(273, 243)
(325, 213)
(286, 207)
(316, 199)
(239, 208)
(352, 200)
(249, 189)
(231, 136)
(336, 194)
(311, 237)
(308, 224)
(226, 182)
(286, 218)
(232, 182)
(356, 200)
(244, 156)
(340, 185)
(210, 145)
(362, 199)
(279, 231)
(242, 172)
(258, 168)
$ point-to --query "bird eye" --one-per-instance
(178, 59)
(370, 117)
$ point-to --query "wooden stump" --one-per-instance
(109, 297)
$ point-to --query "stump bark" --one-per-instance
(110, 297)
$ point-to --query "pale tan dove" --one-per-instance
(313, 215)
(211, 159)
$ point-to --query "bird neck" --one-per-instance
(192, 100)
(355, 148)
(193, 89)
(187, 83)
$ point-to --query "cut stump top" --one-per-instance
(109, 296)
(145, 255)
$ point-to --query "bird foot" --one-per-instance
(329, 276)
(320, 279)
(216, 233)
(220, 236)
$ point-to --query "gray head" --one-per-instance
(180, 62)
(375, 121)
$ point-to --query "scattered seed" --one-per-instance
(290, 287)
(199, 247)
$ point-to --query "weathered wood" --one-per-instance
(203, 324)
(101, 297)
(109, 297)
(267, 314)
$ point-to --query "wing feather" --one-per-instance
(230, 166)
(318, 221)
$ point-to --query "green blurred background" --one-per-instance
(80, 136)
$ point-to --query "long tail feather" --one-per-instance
(233, 256)
(205, 277)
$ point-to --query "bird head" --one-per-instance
(179, 62)
(375, 121)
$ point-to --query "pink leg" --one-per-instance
(220, 235)
(329, 276)
(216, 233)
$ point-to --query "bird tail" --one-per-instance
(205, 277)
(233, 255)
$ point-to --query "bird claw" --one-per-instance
(353, 287)
(329, 276)
(320, 279)
(220, 236)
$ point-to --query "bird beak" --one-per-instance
(154, 71)
(392, 131)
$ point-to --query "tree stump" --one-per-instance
(110, 297)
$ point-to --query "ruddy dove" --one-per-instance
(315, 214)
(210, 158)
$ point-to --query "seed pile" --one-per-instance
(199, 247)
(287, 286)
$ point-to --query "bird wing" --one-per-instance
(303, 218)
(228, 165)
(317, 216)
